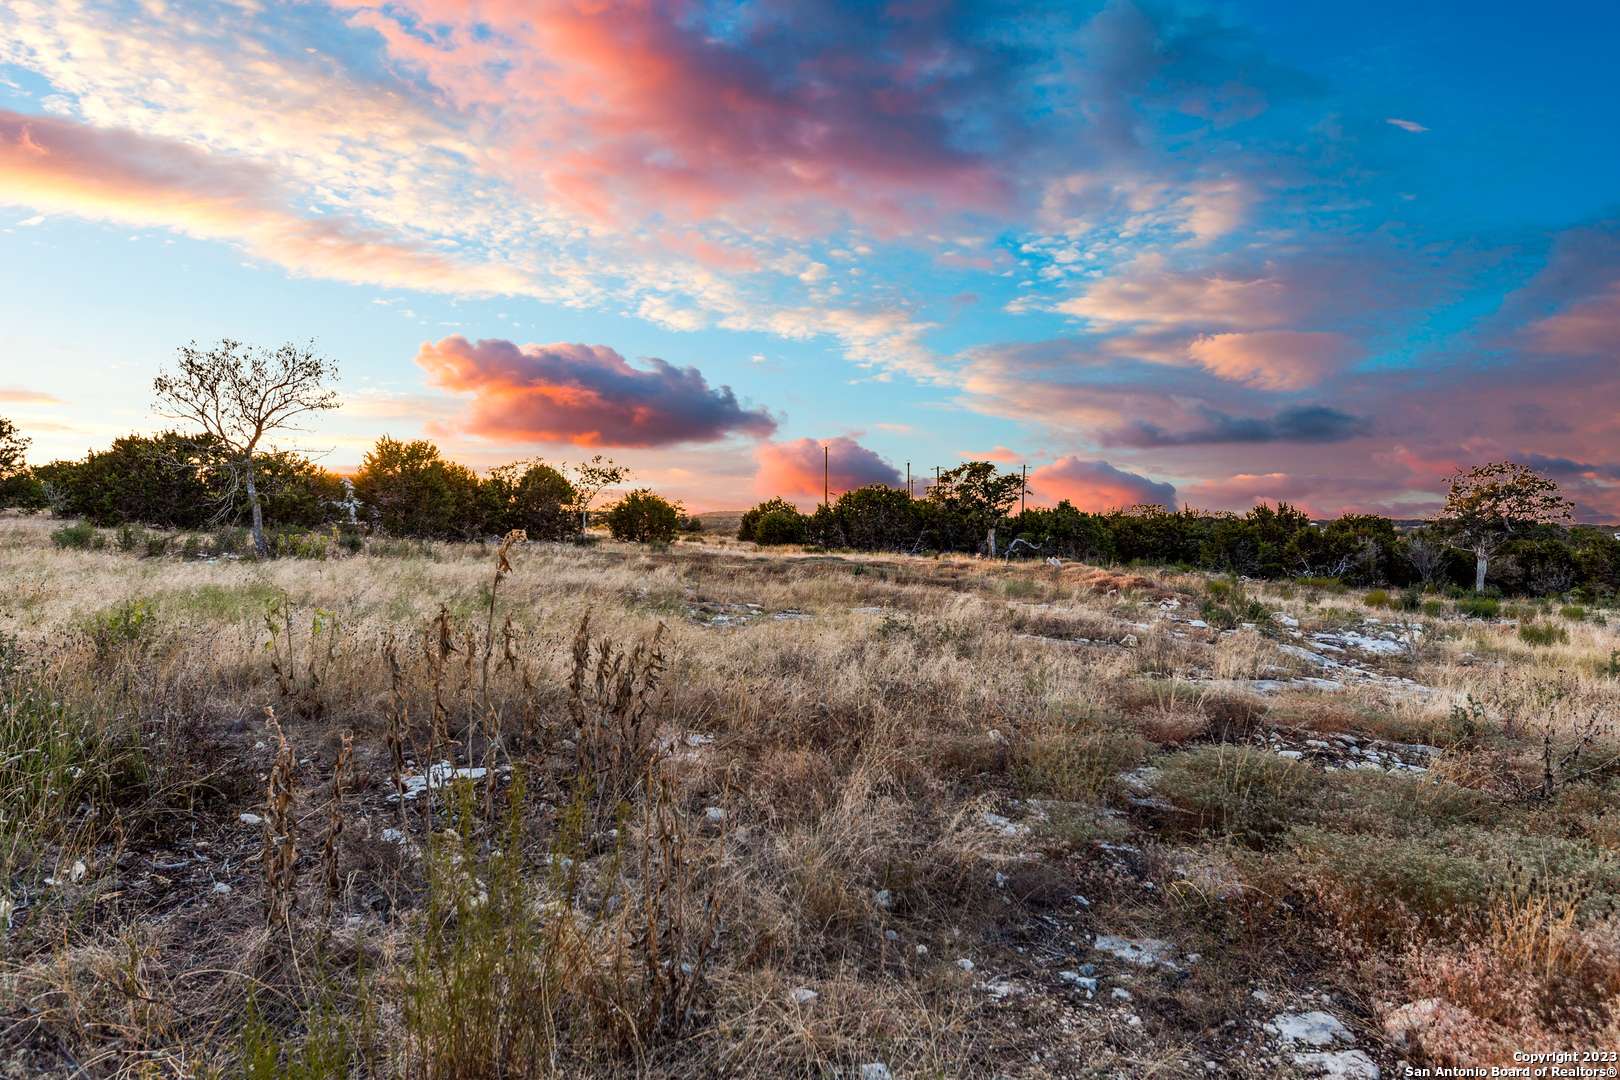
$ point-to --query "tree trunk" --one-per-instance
(1480, 560)
(259, 544)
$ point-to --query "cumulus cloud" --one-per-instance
(584, 394)
(795, 468)
(1273, 359)
(61, 166)
(1097, 485)
(1149, 293)
(1299, 424)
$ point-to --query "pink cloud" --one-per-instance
(1588, 327)
(634, 107)
(1097, 485)
(794, 469)
(60, 166)
(1149, 294)
(588, 395)
(1273, 359)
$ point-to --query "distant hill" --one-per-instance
(721, 522)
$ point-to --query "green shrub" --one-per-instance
(644, 517)
(80, 536)
(1434, 608)
(1479, 607)
(1573, 612)
(296, 544)
(780, 526)
(1411, 599)
(748, 524)
(192, 548)
(120, 626)
(230, 540)
(1378, 598)
(1533, 633)
(1247, 794)
(157, 545)
(410, 489)
(129, 537)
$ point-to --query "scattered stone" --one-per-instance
(1004, 826)
(250, 819)
(1140, 952)
(440, 774)
(965, 964)
(876, 1070)
(1130, 641)
(1002, 989)
(1314, 1028)
(1079, 981)
(714, 815)
(1119, 993)
(802, 995)
(884, 899)
(1282, 618)
(221, 889)
(1338, 1065)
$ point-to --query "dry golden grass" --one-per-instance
(748, 817)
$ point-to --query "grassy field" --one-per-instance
(710, 811)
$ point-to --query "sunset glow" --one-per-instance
(1187, 253)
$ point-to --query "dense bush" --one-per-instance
(409, 489)
(531, 496)
(747, 526)
(179, 481)
(782, 527)
(644, 517)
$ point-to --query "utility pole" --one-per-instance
(908, 480)
(825, 474)
(1023, 486)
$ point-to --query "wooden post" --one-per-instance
(825, 473)
(1022, 488)
(908, 480)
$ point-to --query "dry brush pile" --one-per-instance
(536, 810)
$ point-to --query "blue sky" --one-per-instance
(1196, 253)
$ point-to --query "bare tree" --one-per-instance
(239, 395)
(590, 480)
(1489, 505)
(1427, 557)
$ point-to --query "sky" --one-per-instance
(1193, 254)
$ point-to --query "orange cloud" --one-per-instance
(59, 166)
(795, 468)
(16, 395)
(1273, 359)
(584, 394)
(1096, 485)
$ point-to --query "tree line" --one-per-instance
(1502, 526)
(1501, 521)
